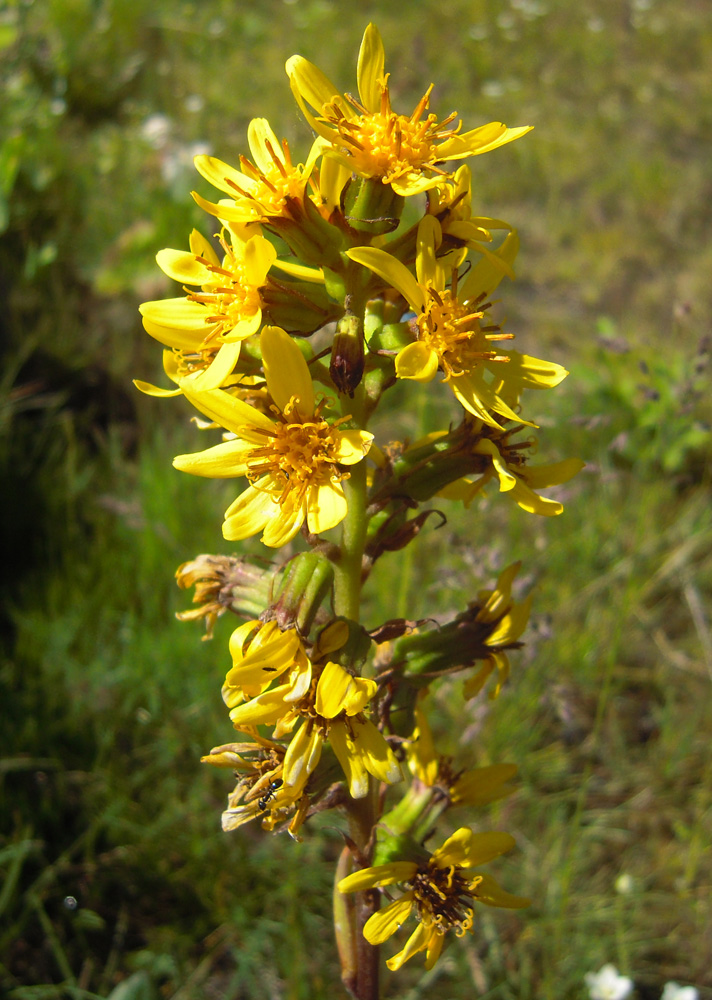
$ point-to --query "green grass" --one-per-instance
(108, 702)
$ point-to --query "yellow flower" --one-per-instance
(293, 463)
(206, 327)
(508, 621)
(439, 892)
(452, 334)
(516, 479)
(260, 190)
(476, 787)
(373, 141)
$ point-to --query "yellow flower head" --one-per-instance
(294, 463)
(205, 328)
(439, 892)
(261, 190)
(372, 140)
(452, 332)
(330, 705)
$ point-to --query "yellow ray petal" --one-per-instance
(370, 69)
(326, 506)
(417, 362)
(393, 273)
(383, 923)
(286, 371)
(182, 266)
(388, 874)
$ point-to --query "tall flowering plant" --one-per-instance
(308, 299)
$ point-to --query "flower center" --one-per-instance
(453, 330)
(229, 297)
(273, 186)
(299, 456)
(385, 144)
(442, 898)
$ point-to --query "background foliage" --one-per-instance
(116, 878)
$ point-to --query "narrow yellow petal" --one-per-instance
(154, 390)
(352, 764)
(260, 255)
(286, 371)
(418, 941)
(222, 461)
(371, 69)
(220, 174)
(539, 477)
(393, 273)
(178, 313)
(383, 923)
(429, 238)
(378, 758)
(302, 756)
(388, 874)
(287, 518)
(203, 248)
(261, 139)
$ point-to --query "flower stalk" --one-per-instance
(285, 360)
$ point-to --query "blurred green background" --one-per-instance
(117, 880)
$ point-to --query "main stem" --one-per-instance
(362, 982)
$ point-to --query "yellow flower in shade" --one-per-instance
(515, 477)
(476, 787)
(260, 190)
(205, 328)
(259, 793)
(332, 709)
(373, 141)
(452, 333)
(440, 892)
(508, 621)
(294, 463)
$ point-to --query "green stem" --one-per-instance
(349, 567)
(362, 981)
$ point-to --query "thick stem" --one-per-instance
(348, 568)
(361, 981)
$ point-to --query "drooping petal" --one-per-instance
(178, 313)
(222, 366)
(486, 275)
(379, 760)
(286, 520)
(435, 946)
(260, 255)
(302, 756)
(248, 514)
(221, 175)
(418, 941)
(383, 923)
(231, 413)
(539, 477)
(351, 762)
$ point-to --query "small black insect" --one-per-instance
(269, 794)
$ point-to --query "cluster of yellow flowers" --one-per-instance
(308, 303)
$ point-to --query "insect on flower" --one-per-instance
(270, 794)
